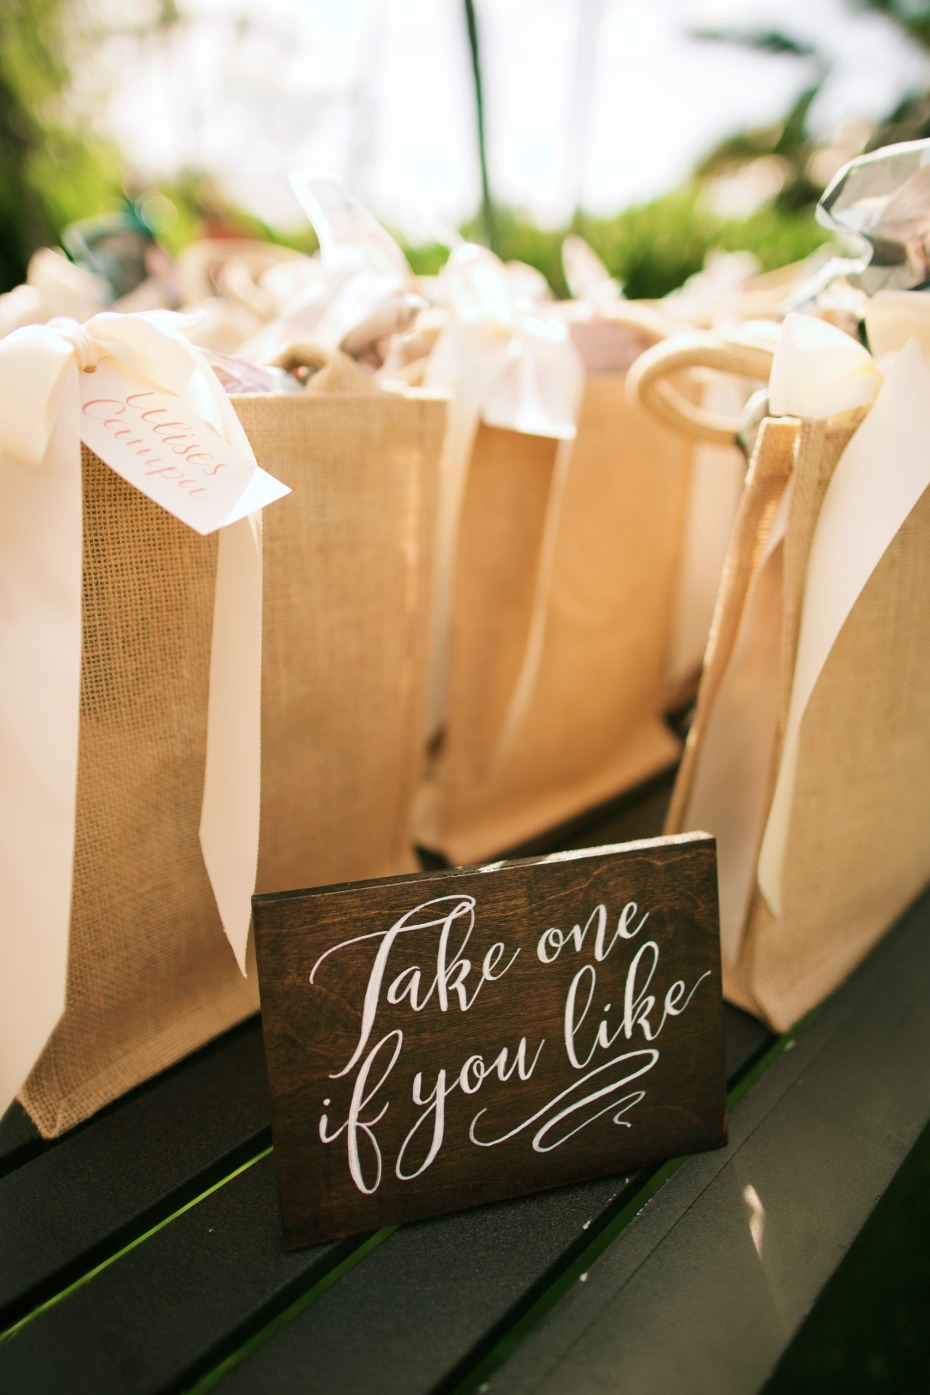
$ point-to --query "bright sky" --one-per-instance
(608, 101)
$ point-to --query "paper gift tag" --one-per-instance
(152, 439)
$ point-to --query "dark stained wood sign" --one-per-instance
(441, 1040)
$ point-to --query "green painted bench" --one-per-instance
(141, 1253)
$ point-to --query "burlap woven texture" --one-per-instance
(768, 474)
(347, 570)
(348, 580)
(150, 975)
(857, 850)
(592, 726)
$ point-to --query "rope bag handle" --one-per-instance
(648, 382)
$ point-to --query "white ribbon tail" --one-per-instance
(229, 821)
(40, 675)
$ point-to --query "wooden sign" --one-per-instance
(441, 1040)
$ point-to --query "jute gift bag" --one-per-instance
(150, 973)
(808, 757)
(565, 596)
(347, 571)
(108, 719)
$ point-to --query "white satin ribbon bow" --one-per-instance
(41, 394)
(507, 364)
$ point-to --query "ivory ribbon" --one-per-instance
(53, 286)
(40, 651)
(877, 482)
(505, 364)
(355, 295)
(728, 787)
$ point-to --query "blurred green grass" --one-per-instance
(653, 247)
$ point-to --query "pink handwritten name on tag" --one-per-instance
(152, 439)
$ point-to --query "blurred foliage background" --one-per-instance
(56, 167)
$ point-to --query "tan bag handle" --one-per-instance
(648, 385)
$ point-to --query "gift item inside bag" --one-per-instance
(347, 576)
(808, 757)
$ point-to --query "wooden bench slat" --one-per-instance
(165, 1311)
(83, 1198)
(414, 1311)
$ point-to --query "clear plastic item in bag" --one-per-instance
(883, 200)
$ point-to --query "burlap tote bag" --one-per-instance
(347, 572)
(566, 595)
(809, 757)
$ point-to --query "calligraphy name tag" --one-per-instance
(442, 1040)
(155, 441)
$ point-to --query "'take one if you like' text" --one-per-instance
(607, 1046)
